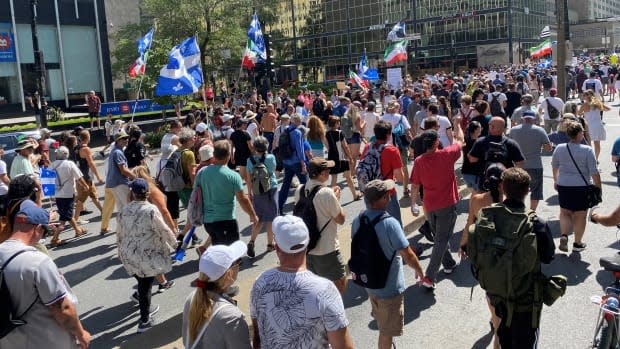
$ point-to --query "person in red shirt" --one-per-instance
(435, 171)
(391, 164)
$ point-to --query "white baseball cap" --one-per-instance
(291, 233)
(206, 152)
(227, 117)
(201, 127)
(218, 259)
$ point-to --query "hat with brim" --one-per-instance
(377, 188)
(249, 115)
(217, 259)
(121, 135)
(227, 117)
(285, 116)
(318, 165)
(24, 144)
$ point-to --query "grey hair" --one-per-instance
(296, 118)
(186, 134)
(261, 144)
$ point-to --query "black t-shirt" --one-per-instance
(470, 167)
(484, 122)
(135, 153)
(240, 139)
(333, 138)
(481, 146)
(513, 102)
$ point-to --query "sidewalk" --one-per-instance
(29, 119)
(166, 335)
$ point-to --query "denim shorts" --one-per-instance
(472, 181)
(355, 139)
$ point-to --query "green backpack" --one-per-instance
(502, 247)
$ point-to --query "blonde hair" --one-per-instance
(143, 172)
(201, 307)
(596, 103)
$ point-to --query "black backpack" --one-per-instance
(368, 264)
(285, 151)
(547, 82)
(496, 107)
(497, 152)
(304, 208)
(318, 107)
(554, 113)
(8, 319)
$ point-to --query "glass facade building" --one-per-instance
(326, 37)
(73, 39)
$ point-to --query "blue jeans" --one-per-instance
(289, 172)
(269, 136)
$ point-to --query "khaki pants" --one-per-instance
(108, 208)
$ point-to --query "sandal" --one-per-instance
(104, 231)
(57, 242)
(358, 196)
(81, 233)
(406, 193)
(270, 247)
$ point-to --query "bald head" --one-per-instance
(496, 126)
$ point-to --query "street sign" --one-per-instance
(48, 182)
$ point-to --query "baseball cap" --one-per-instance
(377, 188)
(529, 114)
(201, 127)
(139, 186)
(120, 135)
(217, 259)
(317, 165)
(206, 152)
(291, 234)
(227, 117)
(32, 215)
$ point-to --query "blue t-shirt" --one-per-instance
(615, 151)
(270, 163)
(392, 239)
(114, 177)
(340, 110)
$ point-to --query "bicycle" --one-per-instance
(606, 334)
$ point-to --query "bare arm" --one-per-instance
(86, 153)
(125, 171)
(246, 205)
(412, 261)
(607, 220)
(65, 314)
(255, 334)
(340, 218)
(398, 175)
(596, 178)
(5, 178)
(339, 339)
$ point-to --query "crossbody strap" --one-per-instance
(204, 328)
(575, 163)
(3, 280)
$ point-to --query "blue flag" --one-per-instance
(398, 32)
(255, 34)
(183, 74)
(144, 43)
(362, 67)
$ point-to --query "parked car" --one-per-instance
(9, 141)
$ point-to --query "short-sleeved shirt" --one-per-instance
(188, 161)
(227, 329)
(270, 163)
(445, 126)
(390, 160)
(394, 119)
(240, 139)
(67, 173)
(327, 208)
(296, 310)
(114, 177)
(530, 139)
(481, 146)
(555, 102)
(219, 186)
(4, 189)
(392, 239)
(33, 277)
(568, 175)
(435, 171)
(21, 166)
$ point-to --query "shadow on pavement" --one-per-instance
(75, 277)
(354, 295)
(484, 341)
(417, 299)
(116, 320)
(575, 269)
(162, 335)
(66, 260)
(604, 278)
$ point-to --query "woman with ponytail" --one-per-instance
(211, 319)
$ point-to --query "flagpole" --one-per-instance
(146, 58)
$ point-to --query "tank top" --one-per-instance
(82, 164)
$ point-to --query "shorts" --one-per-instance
(573, 198)
(330, 266)
(404, 157)
(65, 208)
(84, 193)
(355, 139)
(605, 79)
(266, 205)
(472, 181)
(341, 166)
(389, 313)
(223, 232)
(93, 114)
(536, 183)
(172, 203)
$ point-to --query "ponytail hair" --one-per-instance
(201, 307)
(493, 178)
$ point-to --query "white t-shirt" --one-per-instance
(394, 119)
(295, 310)
(166, 140)
(4, 189)
(501, 98)
(252, 130)
(555, 102)
(370, 118)
(67, 173)
(445, 126)
(596, 83)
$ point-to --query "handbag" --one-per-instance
(594, 194)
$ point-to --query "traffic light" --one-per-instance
(269, 65)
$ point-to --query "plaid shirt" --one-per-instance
(94, 104)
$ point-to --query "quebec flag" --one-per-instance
(255, 34)
(183, 74)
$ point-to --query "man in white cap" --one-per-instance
(310, 309)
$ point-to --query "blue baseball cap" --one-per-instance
(32, 215)
(139, 186)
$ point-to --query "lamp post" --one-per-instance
(39, 66)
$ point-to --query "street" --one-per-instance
(446, 318)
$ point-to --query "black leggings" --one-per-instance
(144, 296)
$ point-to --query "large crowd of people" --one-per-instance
(250, 150)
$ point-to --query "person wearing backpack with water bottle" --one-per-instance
(378, 249)
(262, 190)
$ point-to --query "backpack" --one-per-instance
(496, 107)
(285, 150)
(368, 264)
(554, 113)
(399, 135)
(318, 107)
(8, 319)
(547, 82)
(195, 215)
(304, 208)
(454, 99)
(497, 152)
(172, 176)
(260, 177)
(502, 247)
(346, 125)
(369, 168)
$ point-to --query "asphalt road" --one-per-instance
(446, 318)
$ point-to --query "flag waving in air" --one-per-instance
(183, 73)
(396, 52)
(255, 50)
(398, 32)
(144, 44)
(362, 67)
(542, 50)
(356, 80)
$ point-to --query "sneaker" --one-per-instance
(143, 326)
(426, 231)
(166, 285)
(134, 298)
(427, 283)
(153, 310)
(449, 270)
(251, 253)
(232, 291)
(196, 241)
(563, 243)
(579, 247)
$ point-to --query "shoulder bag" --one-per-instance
(594, 194)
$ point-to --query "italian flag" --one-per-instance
(542, 50)
(355, 79)
(396, 53)
(138, 67)
(249, 56)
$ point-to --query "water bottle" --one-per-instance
(415, 210)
